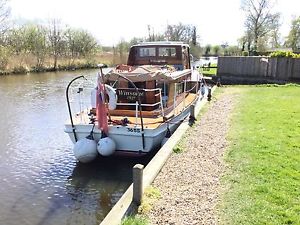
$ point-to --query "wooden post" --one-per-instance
(138, 183)
(192, 113)
(209, 94)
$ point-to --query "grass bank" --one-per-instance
(209, 71)
(262, 185)
(27, 63)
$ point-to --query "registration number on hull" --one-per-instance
(133, 130)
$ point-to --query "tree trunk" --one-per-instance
(55, 62)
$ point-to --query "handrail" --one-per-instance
(140, 89)
(161, 104)
(174, 100)
(184, 91)
(130, 104)
(69, 107)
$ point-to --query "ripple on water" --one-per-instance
(41, 181)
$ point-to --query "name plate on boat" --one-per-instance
(130, 94)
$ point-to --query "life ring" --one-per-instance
(112, 101)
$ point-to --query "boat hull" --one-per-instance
(128, 138)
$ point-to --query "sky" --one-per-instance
(217, 21)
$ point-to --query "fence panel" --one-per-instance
(259, 67)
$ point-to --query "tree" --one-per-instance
(4, 15)
(274, 35)
(15, 39)
(77, 43)
(293, 39)
(18, 42)
(159, 37)
(216, 49)
(122, 49)
(233, 50)
(55, 39)
(207, 49)
(35, 42)
(180, 32)
(195, 50)
(135, 41)
(224, 47)
(242, 41)
(249, 40)
(259, 19)
(194, 36)
(86, 44)
(69, 45)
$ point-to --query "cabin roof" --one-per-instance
(147, 73)
(161, 43)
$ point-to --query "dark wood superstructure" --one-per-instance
(162, 73)
(154, 53)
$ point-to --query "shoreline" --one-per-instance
(47, 69)
(189, 182)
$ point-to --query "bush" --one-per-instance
(20, 69)
(245, 53)
(284, 54)
(4, 57)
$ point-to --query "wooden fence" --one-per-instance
(257, 67)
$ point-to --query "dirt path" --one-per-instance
(189, 182)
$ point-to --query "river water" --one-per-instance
(40, 181)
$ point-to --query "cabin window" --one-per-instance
(146, 52)
(167, 52)
(164, 91)
(164, 87)
(179, 88)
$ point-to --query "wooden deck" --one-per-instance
(149, 122)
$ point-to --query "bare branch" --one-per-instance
(4, 16)
(259, 18)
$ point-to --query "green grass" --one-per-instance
(135, 220)
(262, 185)
(209, 72)
(150, 196)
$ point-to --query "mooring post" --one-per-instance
(192, 114)
(138, 183)
(209, 94)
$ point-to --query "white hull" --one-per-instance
(129, 139)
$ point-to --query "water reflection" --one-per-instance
(41, 183)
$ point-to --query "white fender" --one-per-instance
(85, 150)
(112, 104)
(106, 146)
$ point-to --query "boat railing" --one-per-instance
(127, 92)
(159, 100)
(131, 104)
(178, 94)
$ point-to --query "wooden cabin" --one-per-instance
(160, 71)
(160, 53)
